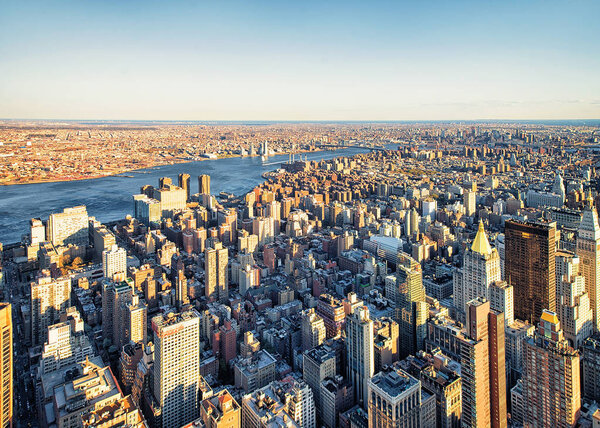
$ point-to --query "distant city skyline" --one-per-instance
(335, 61)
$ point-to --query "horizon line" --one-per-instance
(307, 120)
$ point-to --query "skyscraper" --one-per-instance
(396, 400)
(6, 366)
(481, 268)
(551, 385)
(183, 180)
(470, 202)
(572, 300)
(359, 350)
(176, 366)
(204, 184)
(115, 297)
(483, 367)
(411, 310)
(216, 277)
(69, 227)
(114, 261)
(313, 329)
(530, 267)
(49, 299)
(588, 250)
(136, 315)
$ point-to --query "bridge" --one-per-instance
(357, 146)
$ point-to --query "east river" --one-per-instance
(110, 198)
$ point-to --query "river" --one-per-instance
(110, 198)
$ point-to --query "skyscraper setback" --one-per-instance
(530, 267)
(588, 250)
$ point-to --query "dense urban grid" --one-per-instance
(453, 281)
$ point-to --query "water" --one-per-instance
(110, 198)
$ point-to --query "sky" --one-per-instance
(299, 60)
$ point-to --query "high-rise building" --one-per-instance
(177, 366)
(332, 312)
(551, 383)
(49, 299)
(136, 315)
(114, 261)
(337, 396)
(386, 345)
(318, 364)
(6, 366)
(183, 180)
(359, 352)
(514, 336)
(69, 227)
(313, 329)
(115, 297)
(588, 250)
(255, 372)
(481, 268)
(67, 343)
(590, 367)
(483, 367)
(216, 277)
(530, 267)
(440, 375)
(572, 300)
(397, 400)
(204, 184)
(37, 231)
(411, 309)
(501, 296)
(470, 202)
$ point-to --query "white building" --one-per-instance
(69, 227)
(67, 344)
(177, 366)
(114, 261)
(481, 268)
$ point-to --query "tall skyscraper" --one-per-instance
(115, 298)
(176, 367)
(114, 261)
(216, 278)
(411, 309)
(359, 351)
(69, 227)
(396, 399)
(481, 268)
(136, 315)
(204, 184)
(6, 366)
(530, 267)
(313, 329)
(183, 180)
(49, 299)
(588, 250)
(502, 300)
(572, 300)
(470, 202)
(483, 367)
(551, 383)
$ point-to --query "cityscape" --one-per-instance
(316, 215)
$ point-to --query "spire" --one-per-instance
(481, 244)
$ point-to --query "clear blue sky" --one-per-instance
(300, 60)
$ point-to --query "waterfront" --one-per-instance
(110, 198)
